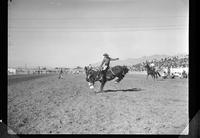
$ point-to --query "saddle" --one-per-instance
(100, 73)
(109, 69)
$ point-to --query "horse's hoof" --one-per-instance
(101, 91)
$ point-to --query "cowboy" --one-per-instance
(90, 66)
(152, 65)
(106, 64)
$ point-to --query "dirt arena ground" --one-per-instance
(48, 105)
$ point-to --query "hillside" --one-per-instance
(132, 61)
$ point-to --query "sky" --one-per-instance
(71, 33)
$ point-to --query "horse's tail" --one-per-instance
(158, 74)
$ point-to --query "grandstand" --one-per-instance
(174, 63)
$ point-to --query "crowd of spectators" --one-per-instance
(169, 62)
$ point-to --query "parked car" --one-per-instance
(177, 74)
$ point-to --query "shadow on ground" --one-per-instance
(124, 90)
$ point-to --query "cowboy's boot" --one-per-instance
(101, 75)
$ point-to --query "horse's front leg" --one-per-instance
(154, 76)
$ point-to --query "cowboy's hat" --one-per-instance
(105, 54)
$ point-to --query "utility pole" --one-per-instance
(9, 2)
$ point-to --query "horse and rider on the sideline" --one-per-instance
(151, 70)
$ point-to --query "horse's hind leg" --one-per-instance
(154, 77)
(119, 79)
(102, 85)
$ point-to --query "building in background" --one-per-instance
(12, 71)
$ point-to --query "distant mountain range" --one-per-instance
(133, 61)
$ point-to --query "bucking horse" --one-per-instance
(93, 75)
(151, 71)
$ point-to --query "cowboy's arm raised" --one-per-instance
(113, 59)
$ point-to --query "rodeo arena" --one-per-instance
(58, 100)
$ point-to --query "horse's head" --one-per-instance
(146, 65)
(88, 72)
(91, 76)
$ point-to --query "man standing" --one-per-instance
(61, 74)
